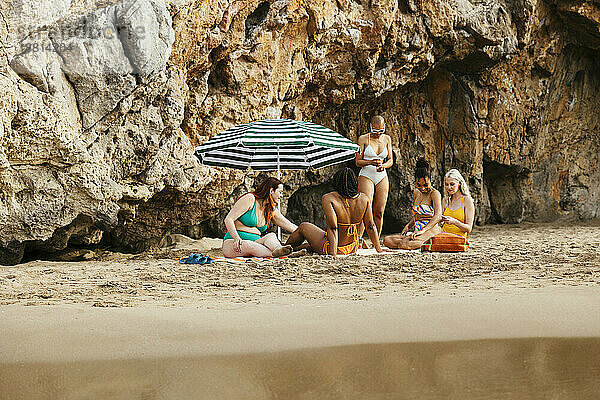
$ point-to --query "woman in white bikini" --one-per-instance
(427, 212)
(374, 157)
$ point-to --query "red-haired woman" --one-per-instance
(250, 217)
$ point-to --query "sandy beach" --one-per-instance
(156, 326)
(502, 258)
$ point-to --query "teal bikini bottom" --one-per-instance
(244, 235)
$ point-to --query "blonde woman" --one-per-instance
(459, 210)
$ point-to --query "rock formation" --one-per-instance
(102, 103)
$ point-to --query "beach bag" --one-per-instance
(446, 242)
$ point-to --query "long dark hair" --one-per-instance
(345, 183)
(263, 193)
(422, 170)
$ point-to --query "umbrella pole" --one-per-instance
(279, 203)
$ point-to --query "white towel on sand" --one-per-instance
(361, 252)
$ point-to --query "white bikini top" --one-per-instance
(370, 154)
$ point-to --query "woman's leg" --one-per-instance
(249, 248)
(379, 201)
(272, 243)
(315, 236)
(303, 246)
(416, 243)
(296, 238)
(366, 186)
(394, 241)
(406, 243)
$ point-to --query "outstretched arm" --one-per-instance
(332, 225)
(371, 228)
(409, 225)
(280, 220)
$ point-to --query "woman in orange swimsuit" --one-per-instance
(459, 210)
(427, 212)
(345, 209)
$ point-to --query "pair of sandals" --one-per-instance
(196, 259)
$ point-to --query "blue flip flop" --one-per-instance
(187, 260)
(197, 259)
(205, 260)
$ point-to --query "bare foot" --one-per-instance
(298, 253)
(303, 246)
(283, 251)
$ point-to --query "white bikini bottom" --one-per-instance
(370, 171)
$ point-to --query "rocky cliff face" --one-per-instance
(103, 102)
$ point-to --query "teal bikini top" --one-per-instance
(250, 219)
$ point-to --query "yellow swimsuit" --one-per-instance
(459, 214)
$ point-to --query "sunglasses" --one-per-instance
(377, 130)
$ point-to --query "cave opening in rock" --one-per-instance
(80, 240)
(391, 224)
(11, 253)
(504, 185)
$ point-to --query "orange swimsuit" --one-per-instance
(352, 231)
(349, 248)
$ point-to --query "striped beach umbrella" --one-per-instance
(275, 145)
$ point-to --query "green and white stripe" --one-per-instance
(270, 145)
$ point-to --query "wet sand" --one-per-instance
(390, 346)
(481, 369)
(162, 321)
(77, 332)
